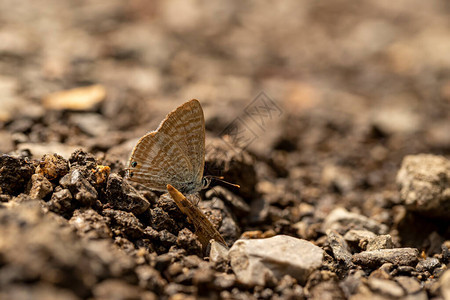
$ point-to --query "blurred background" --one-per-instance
(359, 85)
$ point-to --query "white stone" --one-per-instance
(258, 261)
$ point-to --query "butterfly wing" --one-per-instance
(174, 153)
(157, 160)
(186, 125)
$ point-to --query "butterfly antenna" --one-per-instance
(220, 178)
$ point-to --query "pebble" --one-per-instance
(92, 124)
(125, 223)
(7, 144)
(261, 261)
(121, 195)
(236, 202)
(81, 189)
(342, 220)
(339, 247)
(189, 241)
(423, 181)
(359, 239)
(218, 253)
(39, 186)
(397, 256)
(61, 201)
(428, 264)
(52, 166)
(380, 242)
(385, 287)
(409, 284)
(326, 290)
(90, 224)
(82, 98)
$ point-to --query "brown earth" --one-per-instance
(309, 107)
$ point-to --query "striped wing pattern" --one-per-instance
(174, 153)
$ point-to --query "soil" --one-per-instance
(310, 108)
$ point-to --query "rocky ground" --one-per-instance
(334, 118)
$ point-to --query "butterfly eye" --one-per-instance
(134, 164)
(131, 174)
(205, 182)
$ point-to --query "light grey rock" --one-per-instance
(428, 264)
(218, 252)
(380, 242)
(342, 220)
(261, 261)
(424, 182)
(359, 238)
(397, 256)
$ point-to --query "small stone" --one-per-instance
(380, 242)
(326, 290)
(383, 272)
(90, 224)
(397, 256)
(218, 253)
(428, 264)
(424, 184)
(220, 216)
(237, 204)
(160, 220)
(167, 238)
(52, 166)
(189, 241)
(150, 279)
(81, 189)
(14, 174)
(81, 158)
(82, 98)
(61, 202)
(409, 284)
(125, 223)
(340, 248)
(7, 144)
(256, 262)
(352, 282)
(396, 119)
(121, 195)
(342, 220)
(359, 239)
(385, 287)
(337, 178)
(39, 187)
(224, 281)
(92, 124)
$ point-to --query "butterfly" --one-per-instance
(174, 153)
